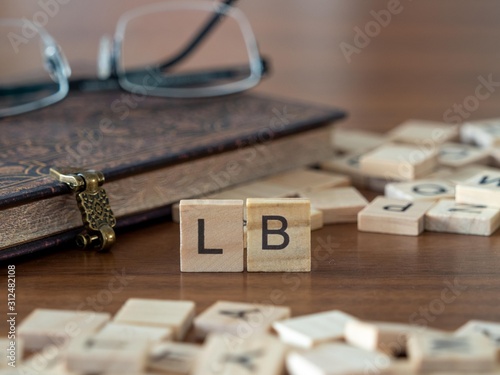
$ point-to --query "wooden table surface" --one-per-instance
(429, 56)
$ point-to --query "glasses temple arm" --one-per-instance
(202, 34)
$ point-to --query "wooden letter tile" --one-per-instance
(304, 180)
(337, 359)
(447, 216)
(490, 329)
(316, 219)
(425, 133)
(311, 330)
(211, 235)
(48, 327)
(93, 355)
(433, 353)
(399, 162)
(482, 189)
(278, 235)
(177, 315)
(393, 216)
(173, 358)
(353, 140)
(420, 190)
(131, 332)
(347, 164)
(241, 320)
(262, 355)
(457, 155)
(339, 205)
(485, 133)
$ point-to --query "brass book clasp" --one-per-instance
(97, 216)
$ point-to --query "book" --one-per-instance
(152, 151)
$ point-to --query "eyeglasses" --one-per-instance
(160, 50)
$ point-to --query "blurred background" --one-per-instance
(427, 57)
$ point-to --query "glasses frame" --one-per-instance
(112, 75)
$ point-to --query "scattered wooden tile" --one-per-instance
(447, 216)
(131, 332)
(484, 133)
(311, 330)
(389, 338)
(339, 205)
(434, 353)
(463, 174)
(278, 235)
(238, 319)
(173, 357)
(305, 180)
(337, 359)
(177, 315)
(264, 189)
(393, 216)
(93, 355)
(481, 189)
(262, 355)
(429, 134)
(347, 164)
(457, 155)
(420, 190)
(211, 235)
(352, 140)
(45, 327)
(398, 162)
(489, 329)
(316, 219)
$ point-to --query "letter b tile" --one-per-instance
(211, 235)
(278, 235)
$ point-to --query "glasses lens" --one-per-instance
(174, 52)
(26, 81)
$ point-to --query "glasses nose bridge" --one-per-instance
(105, 57)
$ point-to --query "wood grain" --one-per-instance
(427, 59)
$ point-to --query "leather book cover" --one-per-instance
(124, 135)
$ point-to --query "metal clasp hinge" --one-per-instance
(97, 216)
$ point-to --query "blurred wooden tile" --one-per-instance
(131, 332)
(339, 205)
(176, 216)
(304, 180)
(481, 189)
(463, 174)
(263, 189)
(173, 358)
(398, 162)
(93, 355)
(389, 338)
(262, 355)
(236, 318)
(211, 234)
(489, 329)
(316, 219)
(420, 190)
(429, 134)
(337, 359)
(278, 235)
(177, 315)
(314, 329)
(45, 327)
(447, 216)
(393, 216)
(457, 155)
(484, 133)
(347, 164)
(433, 353)
(353, 140)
